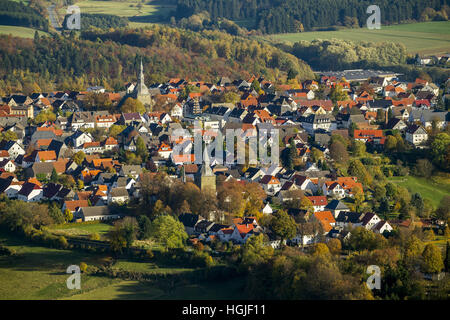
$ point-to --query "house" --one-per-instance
(368, 135)
(369, 220)
(203, 226)
(357, 119)
(164, 150)
(382, 227)
(79, 138)
(416, 135)
(315, 122)
(428, 117)
(10, 187)
(128, 118)
(270, 184)
(244, 228)
(13, 148)
(326, 219)
(30, 192)
(189, 220)
(96, 213)
(319, 202)
(45, 156)
(333, 189)
(130, 170)
(74, 205)
(396, 124)
(336, 207)
(267, 209)
(118, 195)
(7, 165)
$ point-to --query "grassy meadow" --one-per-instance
(149, 13)
(433, 189)
(39, 273)
(423, 37)
(22, 32)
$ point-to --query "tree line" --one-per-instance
(108, 58)
(14, 13)
(102, 21)
(282, 16)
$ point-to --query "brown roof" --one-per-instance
(73, 205)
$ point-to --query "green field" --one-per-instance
(40, 273)
(20, 31)
(149, 13)
(427, 188)
(81, 229)
(423, 37)
(37, 272)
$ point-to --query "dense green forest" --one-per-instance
(279, 16)
(17, 14)
(103, 21)
(108, 58)
(340, 54)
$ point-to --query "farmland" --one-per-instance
(148, 13)
(433, 190)
(37, 272)
(20, 31)
(423, 38)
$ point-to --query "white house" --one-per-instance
(416, 135)
(30, 192)
(7, 165)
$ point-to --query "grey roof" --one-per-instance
(348, 217)
(358, 74)
(381, 104)
(429, 115)
(189, 219)
(131, 169)
(95, 211)
(336, 205)
(119, 192)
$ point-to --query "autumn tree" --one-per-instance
(335, 246)
(132, 105)
(255, 251)
(79, 157)
(432, 259)
(169, 232)
(283, 225)
(338, 152)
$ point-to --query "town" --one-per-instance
(345, 140)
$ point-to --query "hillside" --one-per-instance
(280, 16)
(109, 58)
(423, 38)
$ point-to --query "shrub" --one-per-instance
(83, 267)
(62, 242)
(94, 236)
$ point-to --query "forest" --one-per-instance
(281, 16)
(17, 14)
(103, 21)
(108, 58)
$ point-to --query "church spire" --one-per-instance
(141, 73)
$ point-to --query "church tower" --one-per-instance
(141, 92)
(205, 178)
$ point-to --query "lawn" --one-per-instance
(37, 272)
(423, 37)
(428, 188)
(20, 31)
(82, 229)
(40, 273)
(149, 13)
